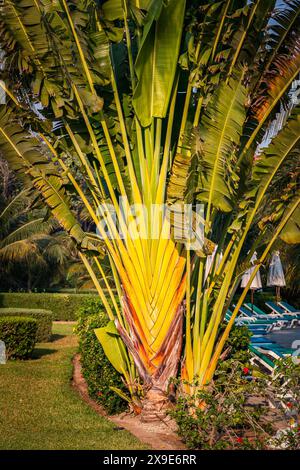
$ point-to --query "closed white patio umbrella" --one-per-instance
(256, 282)
(275, 277)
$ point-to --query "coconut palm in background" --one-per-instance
(31, 244)
(124, 102)
(34, 250)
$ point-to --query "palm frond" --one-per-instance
(13, 209)
(20, 251)
(220, 131)
(274, 156)
(284, 23)
(23, 150)
(28, 230)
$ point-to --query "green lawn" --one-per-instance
(40, 410)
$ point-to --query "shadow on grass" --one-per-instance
(40, 352)
(56, 337)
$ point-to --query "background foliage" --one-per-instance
(62, 306)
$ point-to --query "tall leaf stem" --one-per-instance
(97, 285)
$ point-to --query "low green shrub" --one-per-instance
(237, 344)
(97, 370)
(19, 336)
(63, 306)
(235, 410)
(43, 317)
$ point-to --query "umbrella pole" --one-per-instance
(277, 294)
(252, 299)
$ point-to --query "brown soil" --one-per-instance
(159, 435)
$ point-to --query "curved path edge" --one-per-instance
(156, 435)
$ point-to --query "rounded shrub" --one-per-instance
(43, 317)
(96, 368)
(19, 336)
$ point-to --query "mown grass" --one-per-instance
(40, 410)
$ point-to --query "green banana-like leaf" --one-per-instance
(42, 45)
(54, 195)
(114, 9)
(24, 151)
(21, 150)
(221, 131)
(119, 151)
(285, 20)
(278, 82)
(245, 40)
(182, 179)
(279, 209)
(113, 346)
(291, 232)
(157, 59)
(272, 87)
(121, 394)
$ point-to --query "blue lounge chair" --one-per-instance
(246, 312)
(287, 307)
(276, 350)
(258, 333)
(246, 315)
(278, 321)
(260, 356)
(257, 328)
(238, 320)
(262, 341)
(277, 309)
(257, 311)
(265, 356)
(261, 314)
(266, 325)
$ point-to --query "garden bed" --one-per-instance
(160, 435)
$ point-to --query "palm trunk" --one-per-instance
(155, 405)
(29, 279)
(157, 368)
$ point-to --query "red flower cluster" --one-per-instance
(289, 405)
(246, 370)
(239, 440)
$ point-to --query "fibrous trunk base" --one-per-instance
(155, 406)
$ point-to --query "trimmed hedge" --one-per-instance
(19, 336)
(63, 306)
(43, 317)
(96, 368)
